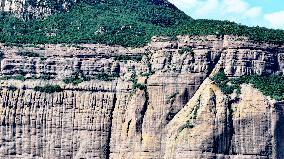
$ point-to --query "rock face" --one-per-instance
(31, 9)
(62, 125)
(177, 112)
(243, 128)
(237, 55)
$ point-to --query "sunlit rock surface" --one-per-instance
(179, 113)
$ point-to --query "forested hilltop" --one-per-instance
(123, 22)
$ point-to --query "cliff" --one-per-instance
(160, 104)
(214, 125)
(196, 55)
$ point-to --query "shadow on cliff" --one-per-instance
(279, 131)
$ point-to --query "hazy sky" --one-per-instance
(268, 13)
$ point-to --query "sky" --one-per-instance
(265, 13)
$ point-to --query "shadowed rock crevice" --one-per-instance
(279, 131)
(107, 144)
(223, 142)
(139, 122)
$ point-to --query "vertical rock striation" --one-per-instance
(212, 125)
(70, 124)
(157, 103)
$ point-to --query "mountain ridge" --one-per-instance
(126, 23)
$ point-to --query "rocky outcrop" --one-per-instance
(189, 54)
(175, 113)
(245, 127)
(31, 9)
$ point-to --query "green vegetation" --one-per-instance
(187, 125)
(149, 65)
(79, 77)
(146, 74)
(12, 88)
(45, 77)
(21, 77)
(43, 58)
(17, 77)
(193, 115)
(75, 80)
(106, 77)
(28, 54)
(133, 78)
(123, 22)
(138, 86)
(48, 88)
(1, 55)
(270, 85)
(135, 84)
(172, 96)
(195, 109)
(42, 77)
(8, 44)
(222, 80)
(128, 57)
(185, 50)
